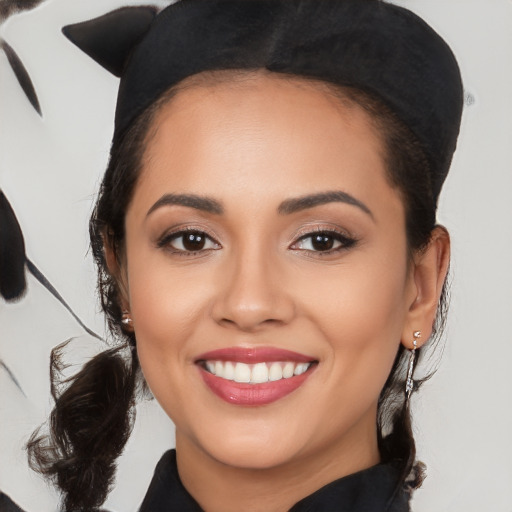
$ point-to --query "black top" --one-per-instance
(371, 490)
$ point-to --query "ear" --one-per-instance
(109, 39)
(430, 268)
(116, 269)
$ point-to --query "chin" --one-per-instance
(260, 446)
(252, 456)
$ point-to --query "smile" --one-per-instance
(255, 373)
(254, 376)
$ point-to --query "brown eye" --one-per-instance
(188, 242)
(323, 241)
(193, 241)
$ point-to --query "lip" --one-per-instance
(254, 355)
(239, 393)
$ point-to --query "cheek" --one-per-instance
(166, 307)
(164, 301)
(360, 310)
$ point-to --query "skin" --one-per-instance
(251, 144)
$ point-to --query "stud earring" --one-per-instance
(126, 319)
(409, 384)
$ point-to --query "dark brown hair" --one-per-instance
(93, 416)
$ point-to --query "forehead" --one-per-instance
(228, 89)
(223, 131)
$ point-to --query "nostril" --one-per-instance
(249, 324)
(251, 298)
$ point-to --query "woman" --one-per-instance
(267, 247)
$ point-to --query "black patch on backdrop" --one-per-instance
(7, 505)
(22, 76)
(8, 7)
(12, 254)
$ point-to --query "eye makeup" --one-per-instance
(187, 241)
(323, 241)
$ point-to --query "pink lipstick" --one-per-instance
(254, 376)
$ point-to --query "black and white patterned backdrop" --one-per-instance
(56, 118)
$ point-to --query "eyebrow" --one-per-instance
(203, 203)
(310, 201)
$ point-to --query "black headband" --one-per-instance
(374, 46)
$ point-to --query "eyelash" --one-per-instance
(345, 242)
(166, 240)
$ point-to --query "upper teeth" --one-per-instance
(255, 373)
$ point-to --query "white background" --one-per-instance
(50, 169)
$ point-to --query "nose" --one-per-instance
(253, 294)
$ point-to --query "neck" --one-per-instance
(218, 487)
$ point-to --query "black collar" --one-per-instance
(371, 490)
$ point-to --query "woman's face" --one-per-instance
(265, 244)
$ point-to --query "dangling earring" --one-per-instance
(409, 385)
(126, 319)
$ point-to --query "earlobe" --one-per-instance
(430, 269)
